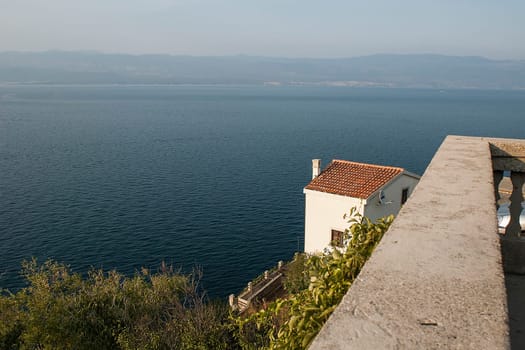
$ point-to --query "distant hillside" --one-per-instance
(429, 71)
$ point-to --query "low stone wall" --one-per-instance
(270, 283)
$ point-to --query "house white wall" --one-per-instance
(392, 197)
(324, 213)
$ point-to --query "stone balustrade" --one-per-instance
(436, 280)
(508, 156)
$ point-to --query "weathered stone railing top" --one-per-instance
(507, 154)
(436, 279)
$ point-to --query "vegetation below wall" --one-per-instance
(316, 284)
(61, 310)
(166, 310)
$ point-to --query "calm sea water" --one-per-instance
(127, 176)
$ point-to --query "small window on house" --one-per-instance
(337, 238)
(404, 195)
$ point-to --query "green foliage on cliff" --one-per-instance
(292, 323)
(296, 277)
(62, 310)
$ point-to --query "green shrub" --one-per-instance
(61, 310)
(296, 277)
(292, 323)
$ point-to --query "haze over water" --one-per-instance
(127, 176)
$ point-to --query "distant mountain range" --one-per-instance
(385, 70)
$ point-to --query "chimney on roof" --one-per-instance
(316, 168)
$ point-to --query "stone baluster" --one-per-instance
(516, 198)
(231, 300)
(250, 286)
(498, 176)
(266, 275)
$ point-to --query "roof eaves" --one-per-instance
(408, 173)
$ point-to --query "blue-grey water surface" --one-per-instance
(127, 176)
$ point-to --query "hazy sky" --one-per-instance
(291, 28)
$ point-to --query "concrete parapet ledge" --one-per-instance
(436, 279)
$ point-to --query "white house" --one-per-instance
(375, 190)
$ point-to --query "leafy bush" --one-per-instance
(296, 277)
(60, 310)
(292, 323)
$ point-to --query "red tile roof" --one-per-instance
(353, 179)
